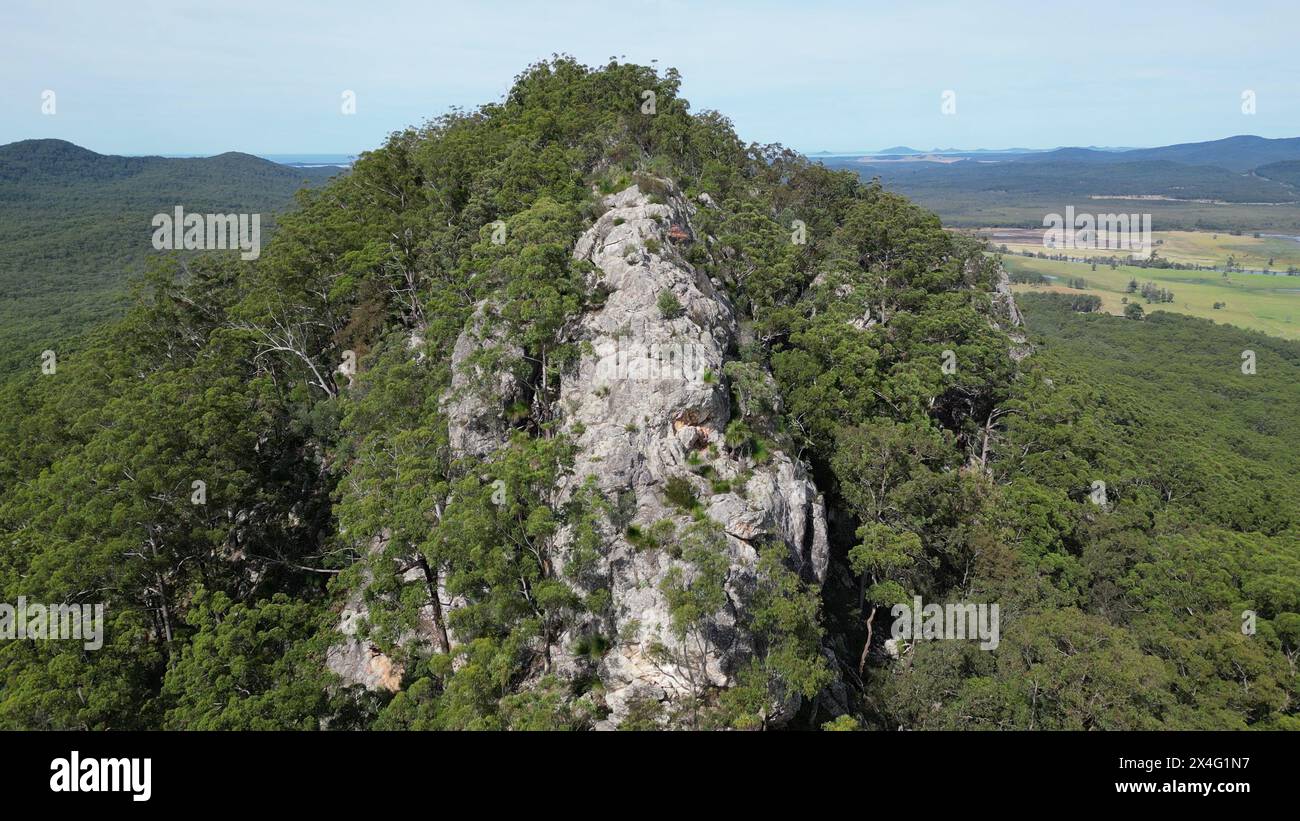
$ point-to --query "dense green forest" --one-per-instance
(1130, 614)
(323, 491)
(75, 227)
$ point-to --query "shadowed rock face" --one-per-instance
(646, 404)
(481, 391)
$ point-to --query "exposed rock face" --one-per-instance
(357, 660)
(650, 406)
(481, 391)
(1004, 308)
(646, 404)
(1005, 300)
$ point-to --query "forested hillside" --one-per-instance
(1287, 172)
(1129, 614)
(486, 526)
(1240, 153)
(75, 226)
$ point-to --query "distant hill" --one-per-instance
(1287, 172)
(1242, 183)
(1240, 153)
(226, 178)
(74, 225)
(1081, 180)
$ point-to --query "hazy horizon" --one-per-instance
(833, 77)
(303, 156)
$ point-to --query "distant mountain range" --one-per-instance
(904, 151)
(1238, 153)
(293, 160)
(1237, 183)
(75, 224)
(59, 160)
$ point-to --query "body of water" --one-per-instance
(312, 160)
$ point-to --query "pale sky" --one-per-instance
(267, 77)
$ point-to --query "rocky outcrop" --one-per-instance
(355, 659)
(1007, 315)
(488, 376)
(648, 406)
